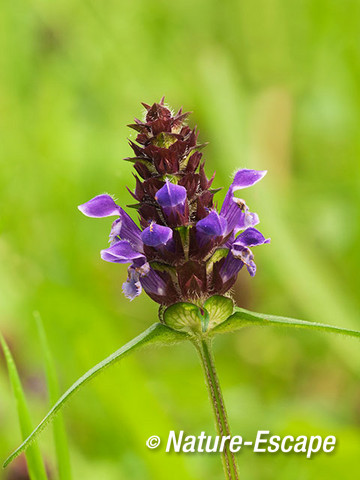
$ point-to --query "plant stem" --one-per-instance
(203, 346)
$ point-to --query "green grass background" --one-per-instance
(273, 84)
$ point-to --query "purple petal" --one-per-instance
(246, 178)
(251, 219)
(251, 268)
(235, 210)
(153, 283)
(237, 214)
(212, 225)
(120, 252)
(126, 229)
(246, 256)
(132, 287)
(156, 235)
(100, 206)
(231, 267)
(141, 266)
(171, 195)
(251, 237)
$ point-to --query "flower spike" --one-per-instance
(185, 248)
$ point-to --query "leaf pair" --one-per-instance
(164, 335)
(189, 317)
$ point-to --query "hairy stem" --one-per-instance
(203, 347)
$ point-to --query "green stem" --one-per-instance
(203, 346)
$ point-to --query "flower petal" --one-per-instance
(250, 220)
(132, 287)
(126, 229)
(120, 252)
(171, 195)
(246, 178)
(251, 237)
(251, 268)
(237, 215)
(212, 225)
(245, 255)
(100, 206)
(234, 209)
(231, 267)
(153, 283)
(156, 235)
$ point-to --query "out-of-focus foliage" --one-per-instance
(273, 84)
(35, 465)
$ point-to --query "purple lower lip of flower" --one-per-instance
(241, 255)
(234, 262)
(121, 252)
(251, 268)
(156, 235)
(250, 219)
(213, 225)
(100, 206)
(132, 287)
(250, 237)
(245, 255)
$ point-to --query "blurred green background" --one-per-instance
(273, 84)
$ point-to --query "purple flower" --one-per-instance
(132, 287)
(156, 235)
(172, 200)
(211, 228)
(171, 196)
(128, 242)
(234, 209)
(123, 228)
(100, 206)
(173, 255)
(213, 225)
(240, 254)
(120, 252)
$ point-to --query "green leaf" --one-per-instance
(219, 308)
(244, 318)
(156, 334)
(205, 318)
(184, 315)
(61, 445)
(33, 456)
(194, 319)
